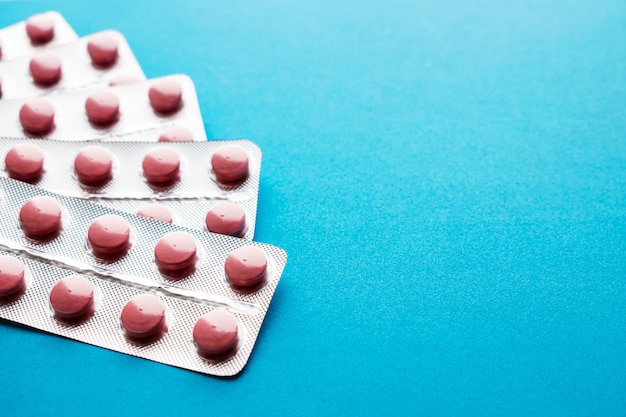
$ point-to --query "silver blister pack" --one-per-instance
(15, 42)
(77, 71)
(65, 115)
(189, 199)
(115, 283)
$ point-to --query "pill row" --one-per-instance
(91, 62)
(96, 237)
(38, 32)
(222, 217)
(93, 165)
(221, 197)
(147, 323)
(143, 318)
(131, 111)
(110, 237)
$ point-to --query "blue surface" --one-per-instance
(449, 180)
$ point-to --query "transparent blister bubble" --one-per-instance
(189, 199)
(15, 42)
(65, 117)
(186, 299)
(78, 71)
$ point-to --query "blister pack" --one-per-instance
(141, 111)
(91, 62)
(134, 285)
(38, 32)
(199, 185)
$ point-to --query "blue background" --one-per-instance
(449, 180)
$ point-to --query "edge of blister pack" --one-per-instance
(135, 119)
(15, 43)
(77, 70)
(186, 300)
(189, 198)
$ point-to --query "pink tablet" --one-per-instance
(24, 162)
(230, 164)
(176, 253)
(166, 96)
(40, 28)
(156, 212)
(45, 68)
(176, 134)
(226, 218)
(40, 218)
(37, 116)
(94, 165)
(109, 237)
(102, 49)
(124, 79)
(246, 266)
(11, 277)
(102, 107)
(72, 297)
(161, 165)
(216, 333)
(143, 317)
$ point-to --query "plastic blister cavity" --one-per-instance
(113, 174)
(181, 328)
(39, 32)
(89, 63)
(125, 112)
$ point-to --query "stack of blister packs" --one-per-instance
(121, 225)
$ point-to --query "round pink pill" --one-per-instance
(176, 254)
(216, 333)
(109, 237)
(40, 28)
(102, 107)
(24, 162)
(176, 134)
(45, 68)
(143, 317)
(40, 218)
(161, 165)
(246, 266)
(166, 96)
(37, 116)
(11, 277)
(102, 49)
(94, 165)
(156, 212)
(226, 218)
(230, 163)
(72, 297)
(124, 79)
